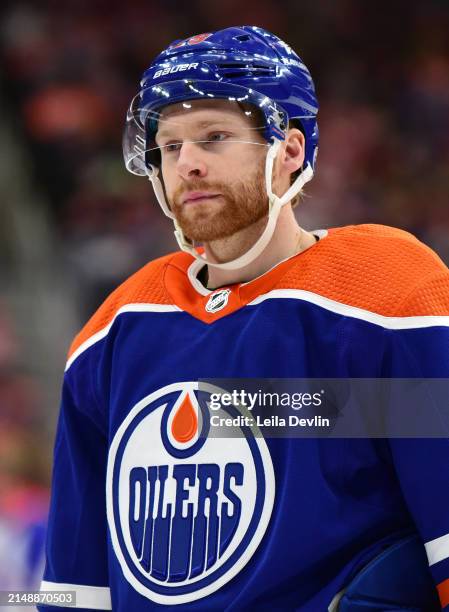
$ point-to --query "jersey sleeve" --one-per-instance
(422, 464)
(76, 549)
(77, 540)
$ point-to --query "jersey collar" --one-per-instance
(209, 305)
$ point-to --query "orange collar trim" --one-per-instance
(186, 291)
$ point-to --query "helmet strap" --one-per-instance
(153, 176)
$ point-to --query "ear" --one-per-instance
(291, 155)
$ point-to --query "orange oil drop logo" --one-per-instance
(185, 422)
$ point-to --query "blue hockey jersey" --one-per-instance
(146, 515)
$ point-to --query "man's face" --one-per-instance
(213, 167)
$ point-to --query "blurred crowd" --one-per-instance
(69, 71)
(24, 466)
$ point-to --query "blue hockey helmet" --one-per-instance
(224, 64)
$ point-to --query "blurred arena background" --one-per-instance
(74, 223)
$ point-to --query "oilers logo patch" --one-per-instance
(186, 512)
(199, 38)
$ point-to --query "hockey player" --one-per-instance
(148, 511)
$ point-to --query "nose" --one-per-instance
(189, 161)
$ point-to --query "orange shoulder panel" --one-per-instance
(145, 286)
(377, 268)
(443, 592)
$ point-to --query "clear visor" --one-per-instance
(212, 121)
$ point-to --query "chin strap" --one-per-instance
(274, 208)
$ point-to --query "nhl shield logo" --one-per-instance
(218, 300)
(185, 515)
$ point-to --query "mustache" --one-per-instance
(196, 185)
